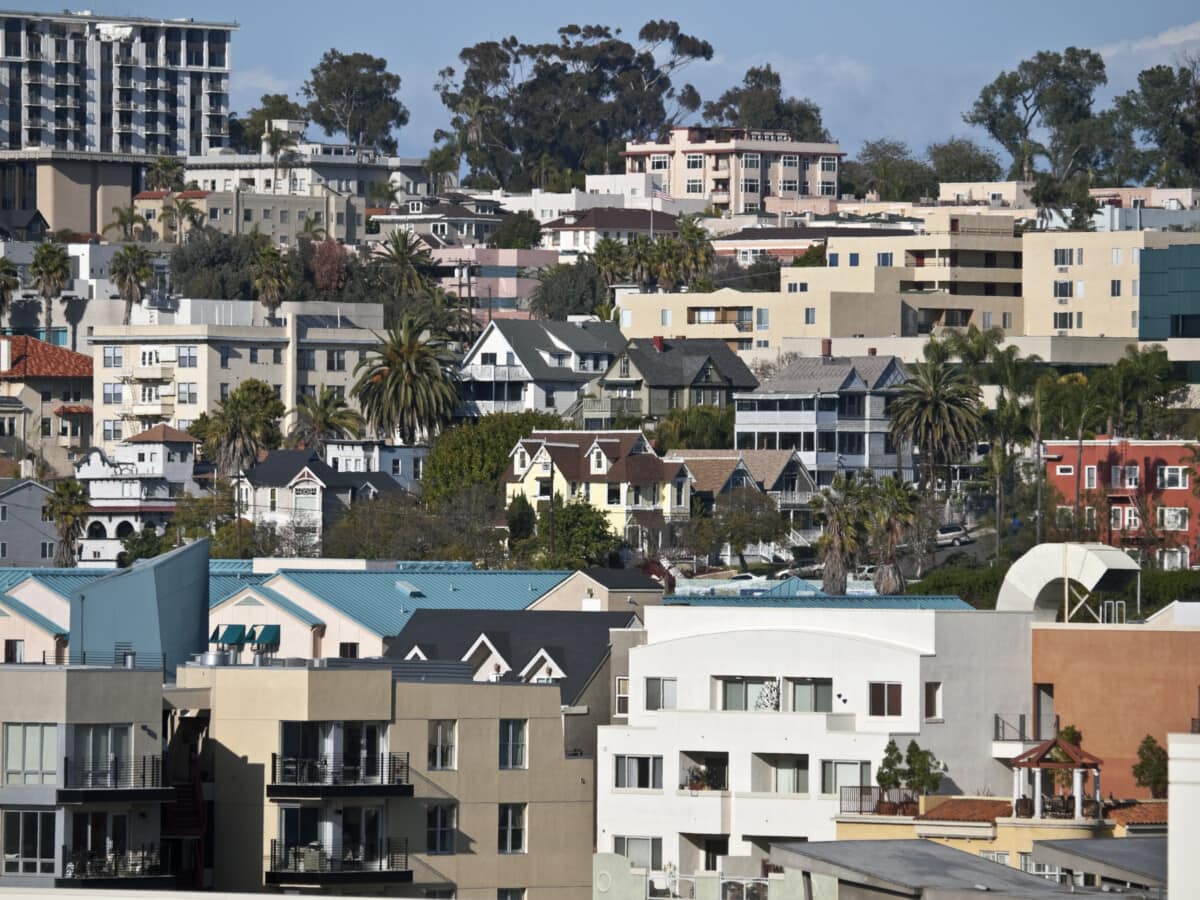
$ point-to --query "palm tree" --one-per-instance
(128, 221)
(938, 411)
(324, 417)
(612, 261)
(280, 142)
(165, 174)
(405, 261)
(892, 512)
(840, 507)
(50, 271)
(1081, 404)
(130, 272)
(1040, 395)
(270, 278)
(179, 212)
(641, 258)
(441, 163)
(698, 253)
(311, 230)
(242, 426)
(67, 507)
(10, 280)
(975, 348)
(403, 384)
(668, 262)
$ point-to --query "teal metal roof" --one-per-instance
(383, 601)
(793, 587)
(288, 606)
(825, 601)
(65, 582)
(229, 566)
(32, 615)
(223, 586)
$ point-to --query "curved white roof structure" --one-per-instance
(1034, 583)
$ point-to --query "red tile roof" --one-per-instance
(150, 195)
(968, 809)
(1153, 812)
(162, 195)
(192, 195)
(32, 358)
(162, 434)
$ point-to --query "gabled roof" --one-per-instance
(576, 641)
(710, 474)
(529, 336)
(828, 374)
(1044, 756)
(264, 593)
(32, 358)
(162, 434)
(16, 607)
(764, 466)
(280, 467)
(1153, 812)
(570, 452)
(8, 485)
(679, 363)
(599, 218)
(222, 585)
(622, 579)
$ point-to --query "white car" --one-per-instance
(747, 576)
(953, 536)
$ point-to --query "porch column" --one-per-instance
(1099, 801)
(1037, 793)
(1077, 789)
(1016, 792)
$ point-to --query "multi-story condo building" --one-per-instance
(539, 364)
(833, 411)
(748, 722)
(45, 402)
(391, 777)
(736, 169)
(178, 365)
(642, 495)
(1167, 296)
(1089, 284)
(784, 244)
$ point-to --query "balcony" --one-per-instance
(479, 372)
(159, 371)
(316, 864)
(866, 800)
(1015, 733)
(610, 407)
(791, 499)
(70, 441)
(382, 775)
(143, 868)
(123, 778)
(163, 407)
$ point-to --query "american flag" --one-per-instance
(660, 194)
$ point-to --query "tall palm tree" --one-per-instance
(311, 230)
(324, 417)
(891, 513)
(440, 164)
(131, 272)
(405, 262)
(243, 424)
(974, 348)
(840, 508)
(403, 385)
(641, 258)
(1081, 404)
(179, 212)
(938, 411)
(698, 253)
(10, 281)
(270, 278)
(50, 272)
(128, 221)
(165, 174)
(67, 507)
(280, 143)
(612, 261)
(668, 262)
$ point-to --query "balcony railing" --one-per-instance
(382, 768)
(118, 772)
(867, 800)
(1020, 727)
(89, 865)
(315, 862)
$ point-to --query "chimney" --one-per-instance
(826, 347)
(871, 351)
(658, 343)
(5, 354)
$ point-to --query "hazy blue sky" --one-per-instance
(905, 70)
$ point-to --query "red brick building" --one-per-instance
(1135, 494)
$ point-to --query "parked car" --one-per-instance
(953, 536)
(747, 576)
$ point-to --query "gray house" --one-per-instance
(26, 538)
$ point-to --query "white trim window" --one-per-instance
(839, 773)
(694, 186)
(442, 734)
(441, 824)
(1133, 519)
(1172, 518)
(751, 161)
(1172, 477)
(829, 164)
(621, 695)
(1115, 517)
(30, 753)
(1064, 470)
(638, 772)
(512, 743)
(789, 161)
(642, 852)
(511, 832)
(659, 162)
(1089, 478)
(695, 160)
(660, 693)
(1172, 559)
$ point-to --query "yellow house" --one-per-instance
(617, 472)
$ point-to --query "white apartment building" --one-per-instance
(403, 462)
(114, 84)
(622, 191)
(173, 367)
(739, 726)
(736, 169)
(133, 485)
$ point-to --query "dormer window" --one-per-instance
(522, 459)
(624, 367)
(598, 461)
(415, 206)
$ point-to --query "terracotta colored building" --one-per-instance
(1136, 494)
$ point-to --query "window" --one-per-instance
(3, 513)
(837, 774)
(1006, 321)
(1089, 477)
(642, 852)
(695, 160)
(621, 694)
(745, 694)
(306, 360)
(996, 856)
(614, 495)
(1133, 518)
(789, 185)
(440, 826)
(30, 754)
(187, 392)
(549, 403)
(112, 429)
(441, 743)
(335, 360)
(1115, 517)
(223, 390)
(828, 163)
(933, 700)
(14, 649)
(987, 321)
(1173, 518)
(1172, 477)
(113, 357)
(1170, 560)
(512, 828)
(853, 260)
(750, 186)
(510, 894)
(790, 774)
(112, 393)
(1062, 321)
(883, 260)
(751, 161)
(28, 842)
(695, 186)
(45, 426)
(348, 650)
(1133, 287)
(225, 353)
(1064, 470)
(277, 355)
(1064, 289)
(810, 315)
(47, 549)
(828, 188)
(762, 319)
(812, 695)
(797, 287)
(660, 693)
(638, 772)
(885, 698)
(831, 259)
(512, 743)
(659, 162)
(1114, 288)
(1116, 256)
(254, 355)
(1064, 256)
(789, 161)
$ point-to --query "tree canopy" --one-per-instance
(247, 136)
(354, 94)
(568, 290)
(758, 102)
(517, 231)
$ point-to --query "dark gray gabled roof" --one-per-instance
(528, 337)
(679, 362)
(8, 485)
(828, 374)
(577, 641)
(623, 579)
(279, 467)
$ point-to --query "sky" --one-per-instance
(900, 70)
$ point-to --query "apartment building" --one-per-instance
(961, 270)
(576, 234)
(1089, 284)
(736, 169)
(391, 777)
(539, 364)
(833, 411)
(177, 366)
(45, 402)
(490, 278)
(748, 245)
(627, 190)
(643, 496)
(743, 725)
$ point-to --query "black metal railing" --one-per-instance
(866, 800)
(116, 772)
(145, 861)
(1020, 727)
(380, 768)
(390, 855)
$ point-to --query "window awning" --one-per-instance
(266, 636)
(231, 635)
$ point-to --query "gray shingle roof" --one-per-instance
(679, 362)
(527, 337)
(828, 374)
(281, 466)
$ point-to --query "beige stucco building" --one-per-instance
(413, 782)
